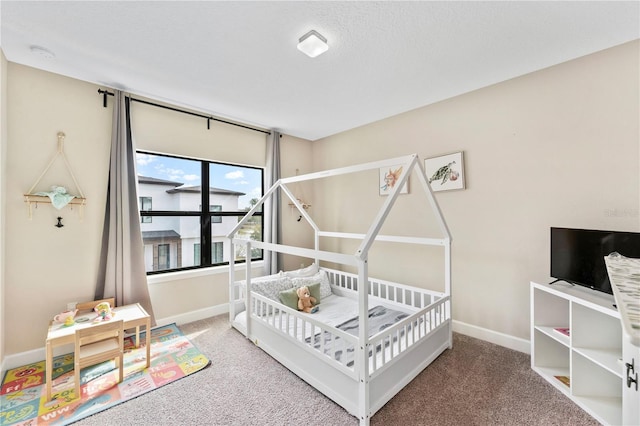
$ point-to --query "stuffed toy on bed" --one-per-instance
(306, 301)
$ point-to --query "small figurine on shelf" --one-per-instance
(104, 312)
(58, 196)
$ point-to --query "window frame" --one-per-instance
(207, 217)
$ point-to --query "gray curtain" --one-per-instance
(272, 231)
(122, 272)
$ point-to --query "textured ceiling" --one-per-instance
(238, 59)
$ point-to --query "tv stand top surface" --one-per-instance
(596, 299)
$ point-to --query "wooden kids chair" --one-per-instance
(98, 343)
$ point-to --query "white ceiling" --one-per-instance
(238, 60)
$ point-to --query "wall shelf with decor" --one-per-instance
(43, 199)
(576, 345)
(58, 196)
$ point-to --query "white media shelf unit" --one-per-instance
(590, 358)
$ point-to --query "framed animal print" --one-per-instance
(389, 176)
(445, 172)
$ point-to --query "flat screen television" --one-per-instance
(577, 255)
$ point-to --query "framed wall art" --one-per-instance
(389, 176)
(445, 172)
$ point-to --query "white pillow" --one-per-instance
(319, 277)
(303, 272)
(267, 277)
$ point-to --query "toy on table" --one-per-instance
(306, 301)
(104, 312)
(66, 317)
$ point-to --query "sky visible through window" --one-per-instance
(187, 172)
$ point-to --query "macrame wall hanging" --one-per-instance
(58, 196)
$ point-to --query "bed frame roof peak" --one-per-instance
(410, 163)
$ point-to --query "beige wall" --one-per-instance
(3, 168)
(47, 267)
(559, 147)
(296, 158)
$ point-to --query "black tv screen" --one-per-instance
(577, 255)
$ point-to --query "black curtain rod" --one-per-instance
(106, 93)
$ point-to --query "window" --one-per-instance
(216, 208)
(216, 253)
(145, 204)
(177, 232)
(196, 254)
(164, 261)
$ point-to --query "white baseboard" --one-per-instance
(501, 339)
(194, 315)
(23, 358)
(37, 355)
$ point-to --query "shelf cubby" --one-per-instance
(590, 357)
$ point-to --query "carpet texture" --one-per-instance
(23, 395)
(475, 383)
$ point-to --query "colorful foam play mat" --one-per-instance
(23, 393)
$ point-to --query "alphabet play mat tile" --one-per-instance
(23, 394)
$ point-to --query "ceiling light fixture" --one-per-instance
(313, 44)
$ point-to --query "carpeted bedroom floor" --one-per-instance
(475, 383)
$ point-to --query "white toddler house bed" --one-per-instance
(366, 342)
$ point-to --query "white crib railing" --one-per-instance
(400, 337)
(305, 331)
(386, 290)
(386, 347)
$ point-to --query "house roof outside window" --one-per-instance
(166, 234)
(198, 188)
(156, 181)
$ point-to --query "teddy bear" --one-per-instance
(306, 301)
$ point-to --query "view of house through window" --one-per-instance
(145, 204)
(177, 232)
(217, 250)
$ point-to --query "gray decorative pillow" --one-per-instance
(289, 297)
(314, 289)
(271, 288)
